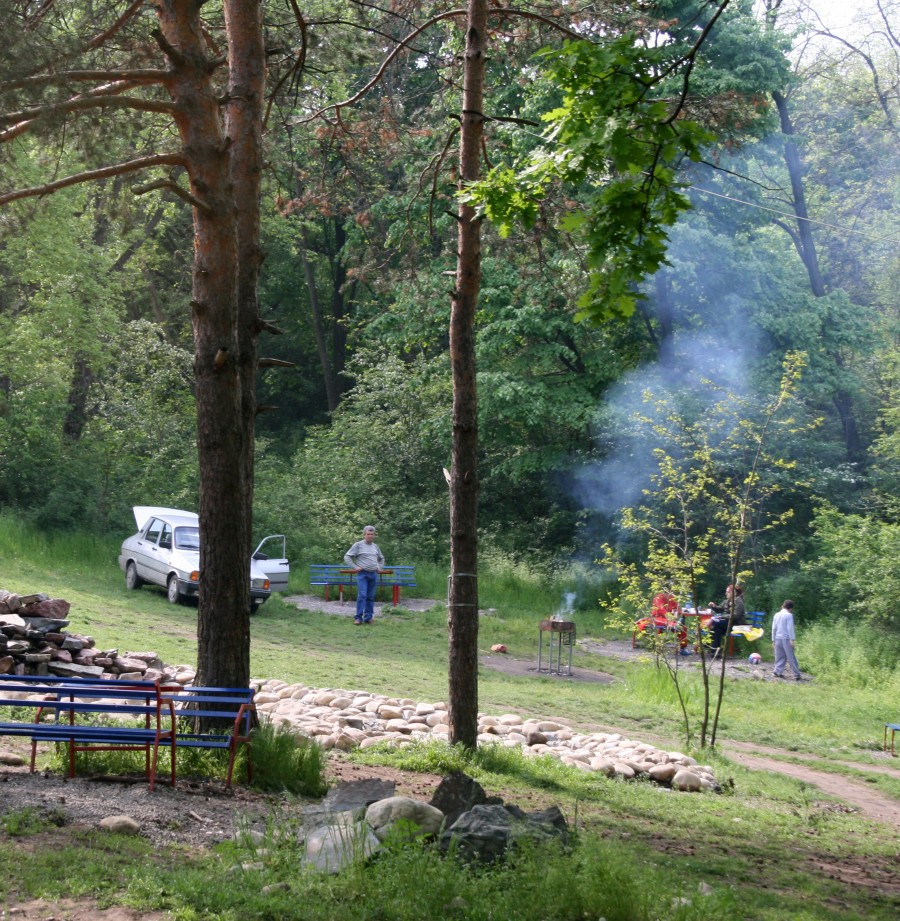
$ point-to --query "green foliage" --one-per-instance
(286, 762)
(380, 462)
(852, 653)
(714, 475)
(856, 569)
(29, 820)
(616, 147)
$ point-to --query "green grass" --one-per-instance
(770, 849)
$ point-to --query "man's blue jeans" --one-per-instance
(366, 583)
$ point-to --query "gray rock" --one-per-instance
(485, 833)
(44, 625)
(71, 670)
(330, 848)
(457, 793)
(423, 818)
(121, 824)
(351, 796)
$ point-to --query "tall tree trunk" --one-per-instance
(463, 600)
(338, 305)
(806, 248)
(220, 355)
(331, 394)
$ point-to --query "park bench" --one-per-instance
(894, 727)
(340, 576)
(88, 713)
(233, 708)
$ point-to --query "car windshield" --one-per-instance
(187, 538)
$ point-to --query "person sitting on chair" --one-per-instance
(734, 596)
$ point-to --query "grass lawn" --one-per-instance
(769, 848)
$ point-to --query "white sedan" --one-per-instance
(166, 552)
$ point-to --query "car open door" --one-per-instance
(271, 558)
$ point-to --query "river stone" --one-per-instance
(332, 847)
(687, 781)
(120, 824)
(663, 773)
(386, 813)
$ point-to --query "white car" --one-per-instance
(166, 552)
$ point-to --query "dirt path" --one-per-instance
(869, 801)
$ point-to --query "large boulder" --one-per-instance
(458, 793)
(418, 818)
(346, 839)
(485, 833)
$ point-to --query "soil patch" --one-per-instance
(527, 668)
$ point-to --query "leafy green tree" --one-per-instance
(715, 467)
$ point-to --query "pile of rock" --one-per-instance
(343, 720)
(33, 641)
(357, 817)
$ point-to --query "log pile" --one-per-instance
(33, 641)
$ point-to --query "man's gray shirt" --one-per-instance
(365, 556)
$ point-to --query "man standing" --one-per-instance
(367, 561)
(783, 640)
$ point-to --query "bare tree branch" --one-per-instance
(403, 43)
(174, 187)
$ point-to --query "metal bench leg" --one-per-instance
(396, 595)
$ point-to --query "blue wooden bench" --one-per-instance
(339, 575)
(235, 709)
(171, 714)
(895, 728)
(77, 707)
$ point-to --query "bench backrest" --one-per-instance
(79, 695)
(214, 703)
(330, 574)
(756, 618)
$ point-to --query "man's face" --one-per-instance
(369, 536)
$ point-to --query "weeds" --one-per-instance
(286, 762)
(21, 823)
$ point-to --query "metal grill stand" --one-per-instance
(560, 633)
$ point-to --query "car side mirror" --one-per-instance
(259, 556)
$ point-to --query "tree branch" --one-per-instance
(75, 76)
(118, 170)
(88, 102)
(174, 187)
(404, 42)
(117, 26)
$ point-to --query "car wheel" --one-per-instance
(254, 607)
(172, 592)
(132, 579)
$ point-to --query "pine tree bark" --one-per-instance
(463, 595)
(219, 355)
